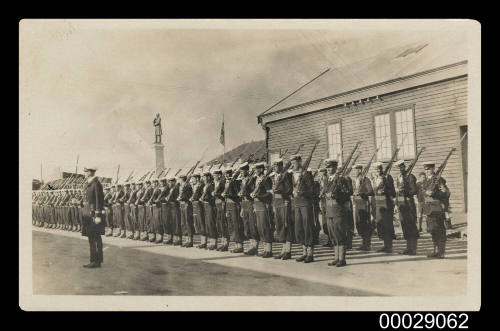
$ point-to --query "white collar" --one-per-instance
(90, 179)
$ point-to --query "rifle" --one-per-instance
(129, 176)
(391, 162)
(412, 164)
(284, 153)
(287, 165)
(341, 173)
(66, 180)
(352, 164)
(319, 165)
(437, 175)
(236, 160)
(178, 172)
(306, 165)
(367, 167)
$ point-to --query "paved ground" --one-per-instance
(141, 268)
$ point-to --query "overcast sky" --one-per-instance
(93, 88)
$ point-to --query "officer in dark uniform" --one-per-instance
(406, 188)
(436, 197)
(338, 191)
(385, 193)
(282, 191)
(362, 191)
(92, 223)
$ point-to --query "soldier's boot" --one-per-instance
(288, 251)
(145, 236)
(413, 247)
(110, 232)
(304, 254)
(342, 253)
(177, 242)
(153, 238)
(225, 245)
(447, 223)
(336, 259)
(159, 238)
(119, 233)
(203, 242)
(123, 234)
(349, 240)
(328, 243)
(408, 249)
(131, 234)
(282, 252)
(434, 253)
(310, 255)
(238, 249)
(268, 250)
(189, 242)
(441, 248)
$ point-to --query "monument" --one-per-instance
(158, 146)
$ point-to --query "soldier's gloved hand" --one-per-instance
(97, 220)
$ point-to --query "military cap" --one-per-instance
(90, 168)
(377, 164)
(357, 166)
(278, 161)
(184, 177)
(429, 164)
(244, 166)
(296, 157)
(398, 163)
(331, 163)
(207, 173)
(309, 169)
(218, 171)
(261, 165)
(147, 181)
(228, 170)
(171, 179)
(322, 169)
(197, 176)
(421, 173)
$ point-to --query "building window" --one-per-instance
(383, 136)
(335, 141)
(405, 135)
(395, 129)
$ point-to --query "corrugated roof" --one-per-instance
(388, 64)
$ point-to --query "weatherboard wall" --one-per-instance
(440, 109)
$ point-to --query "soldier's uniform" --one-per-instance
(362, 191)
(118, 210)
(436, 198)
(138, 211)
(384, 207)
(303, 186)
(316, 208)
(323, 182)
(160, 207)
(406, 188)
(155, 212)
(338, 191)
(173, 214)
(125, 210)
(198, 211)
(186, 211)
(420, 202)
(282, 188)
(262, 199)
(350, 215)
(220, 207)
(247, 185)
(108, 209)
(129, 210)
(233, 208)
(209, 211)
(146, 210)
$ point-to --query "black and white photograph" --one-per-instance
(250, 164)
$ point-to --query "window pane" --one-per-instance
(405, 133)
(383, 136)
(334, 142)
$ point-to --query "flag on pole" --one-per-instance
(222, 138)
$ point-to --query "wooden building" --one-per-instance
(412, 96)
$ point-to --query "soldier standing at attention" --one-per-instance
(80, 209)
(337, 193)
(362, 191)
(159, 206)
(146, 220)
(261, 200)
(234, 223)
(198, 217)
(282, 187)
(220, 207)
(186, 211)
(209, 210)
(118, 210)
(315, 205)
(155, 211)
(174, 217)
(323, 182)
(420, 200)
(406, 188)
(124, 211)
(350, 215)
(303, 186)
(92, 224)
(108, 211)
(436, 198)
(247, 213)
(384, 207)
(129, 208)
(136, 208)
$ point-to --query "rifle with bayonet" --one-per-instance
(305, 166)
(348, 172)
(332, 186)
(437, 175)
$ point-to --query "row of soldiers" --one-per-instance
(265, 206)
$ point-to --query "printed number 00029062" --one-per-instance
(419, 321)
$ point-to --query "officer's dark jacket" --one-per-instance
(94, 195)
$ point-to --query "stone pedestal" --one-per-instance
(159, 157)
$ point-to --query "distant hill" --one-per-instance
(245, 149)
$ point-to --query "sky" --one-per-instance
(91, 89)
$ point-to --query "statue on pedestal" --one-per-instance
(158, 132)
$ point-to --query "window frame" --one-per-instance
(327, 124)
(392, 124)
